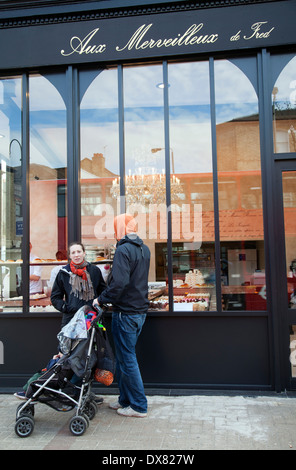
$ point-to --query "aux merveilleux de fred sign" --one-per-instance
(149, 36)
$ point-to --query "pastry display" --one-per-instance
(200, 302)
(191, 289)
(194, 278)
(160, 303)
(32, 297)
(49, 260)
(154, 293)
(11, 261)
(37, 296)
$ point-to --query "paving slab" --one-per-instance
(173, 423)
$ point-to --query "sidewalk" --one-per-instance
(199, 422)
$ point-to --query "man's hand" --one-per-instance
(96, 303)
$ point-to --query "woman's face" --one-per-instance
(77, 254)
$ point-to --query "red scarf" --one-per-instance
(80, 269)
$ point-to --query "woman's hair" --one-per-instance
(75, 243)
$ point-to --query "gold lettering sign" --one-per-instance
(188, 38)
(83, 46)
(140, 40)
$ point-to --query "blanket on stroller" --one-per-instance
(74, 337)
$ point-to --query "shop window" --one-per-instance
(193, 237)
(47, 188)
(289, 202)
(239, 190)
(284, 110)
(293, 350)
(99, 165)
(145, 184)
(11, 216)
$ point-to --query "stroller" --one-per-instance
(88, 356)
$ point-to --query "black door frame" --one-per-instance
(286, 316)
(270, 66)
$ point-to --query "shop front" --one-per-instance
(183, 115)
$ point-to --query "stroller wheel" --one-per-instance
(90, 410)
(28, 410)
(24, 426)
(78, 425)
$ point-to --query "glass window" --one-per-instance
(145, 187)
(192, 187)
(48, 186)
(99, 165)
(289, 201)
(293, 350)
(284, 110)
(239, 190)
(11, 214)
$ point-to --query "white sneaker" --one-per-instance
(115, 405)
(128, 411)
(20, 395)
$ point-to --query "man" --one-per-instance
(127, 291)
(35, 275)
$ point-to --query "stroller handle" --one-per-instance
(99, 311)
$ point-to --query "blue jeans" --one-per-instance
(125, 331)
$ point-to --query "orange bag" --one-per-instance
(104, 376)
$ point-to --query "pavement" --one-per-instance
(179, 424)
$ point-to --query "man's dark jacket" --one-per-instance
(61, 296)
(127, 288)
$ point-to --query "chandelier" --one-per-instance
(147, 188)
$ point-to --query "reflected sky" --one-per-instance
(286, 84)
(10, 121)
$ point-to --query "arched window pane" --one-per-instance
(239, 190)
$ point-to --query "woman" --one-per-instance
(76, 284)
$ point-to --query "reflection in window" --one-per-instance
(145, 187)
(193, 211)
(293, 350)
(99, 164)
(48, 185)
(284, 110)
(11, 214)
(289, 202)
(239, 190)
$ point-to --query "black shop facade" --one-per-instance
(184, 115)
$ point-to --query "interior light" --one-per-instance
(161, 85)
